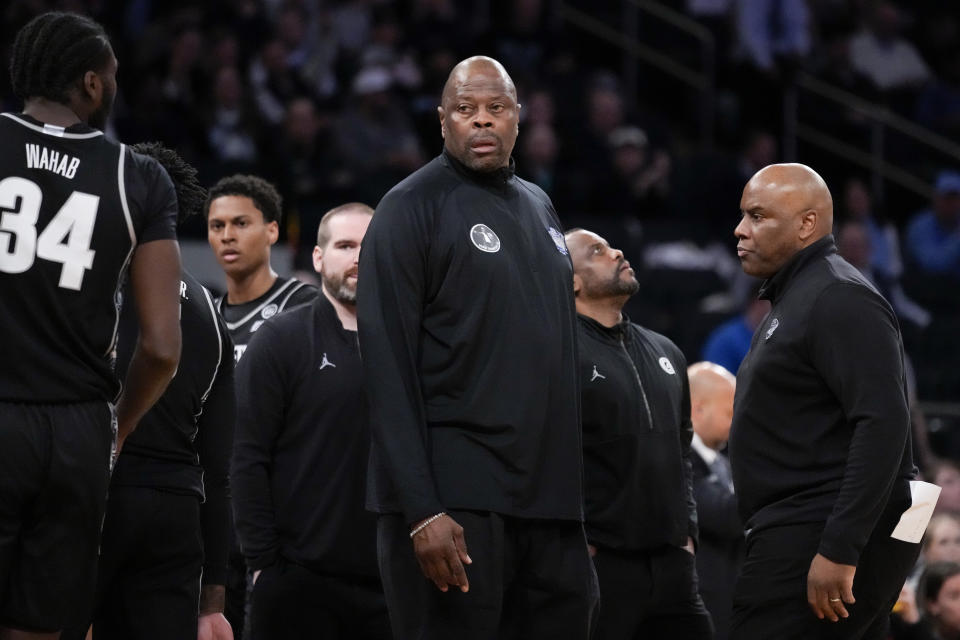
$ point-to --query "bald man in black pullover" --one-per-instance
(820, 445)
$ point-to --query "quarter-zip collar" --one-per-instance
(775, 286)
(497, 178)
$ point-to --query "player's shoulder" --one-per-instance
(295, 292)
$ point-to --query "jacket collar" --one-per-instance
(497, 178)
(615, 333)
(774, 287)
(324, 310)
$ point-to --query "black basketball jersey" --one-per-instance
(244, 319)
(73, 206)
(161, 452)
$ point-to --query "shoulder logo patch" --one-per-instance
(269, 311)
(558, 240)
(484, 238)
(666, 365)
(773, 327)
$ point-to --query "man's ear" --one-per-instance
(443, 118)
(808, 223)
(317, 258)
(577, 284)
(91, 88)
(273, 231)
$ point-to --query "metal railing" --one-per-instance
(626, 38)
(880, 121)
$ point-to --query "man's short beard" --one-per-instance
(339, 289)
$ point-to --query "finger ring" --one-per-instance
(834, 599)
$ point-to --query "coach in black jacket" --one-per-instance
(468, 335)
(820, 444)
(301, 451)
(641, 518)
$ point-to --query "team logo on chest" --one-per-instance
(484, 238)
(773, 327)
(269, 311)
(666, 365)
(558, 240)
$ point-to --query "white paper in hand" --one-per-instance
(914, 520)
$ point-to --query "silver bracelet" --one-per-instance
(423, 525)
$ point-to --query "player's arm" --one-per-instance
(214, 445)
(155, 283)
(686, 449)
(262, 386)
(390, 298)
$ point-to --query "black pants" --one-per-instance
(530, 579)
(291, 602)
(770, 599)
(650, 595)
(151, 557)
(54, 474)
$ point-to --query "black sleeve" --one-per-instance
(717, 514)
(214, 444)
(151, 198)
(686, 437)
(261, 381)
(390, 300)
(855, 346)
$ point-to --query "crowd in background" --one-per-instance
(336, 101)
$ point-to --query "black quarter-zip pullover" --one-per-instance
(468, 335)
(636, 438)
(821, 429)
(302, 445)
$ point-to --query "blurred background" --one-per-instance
(642, 119)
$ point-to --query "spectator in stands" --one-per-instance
(640, 181)
(721, 531)
(274, 82)
(934, 612)
(938, 106)
(933, 235)
(773, 31)
(941, 541)
(728, 343)
(855, 244)
(884, 242)
(881, 53)
(945, 473)
(538, 157)
(232, 133)
(375, 138)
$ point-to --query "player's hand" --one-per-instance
(690, 547)
(442, 551)
(213, 626)
(829, 588)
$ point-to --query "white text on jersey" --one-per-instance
(39, 157)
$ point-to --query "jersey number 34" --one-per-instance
(65, 240)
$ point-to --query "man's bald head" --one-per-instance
(785, 208)
(480, 116)
(467, 71)
(711, 402)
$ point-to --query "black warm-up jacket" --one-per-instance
(821, 429)
(302, 445)
(468, 336)
(636, 438)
